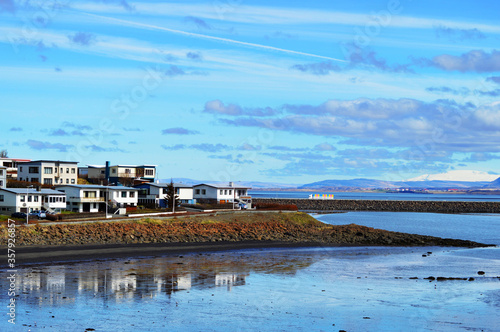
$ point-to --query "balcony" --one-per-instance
(86, 199)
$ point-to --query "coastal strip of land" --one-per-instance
(384, 205)
(145, 237)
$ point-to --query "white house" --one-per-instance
(115, 173)
(220, 193)
(11, 164)
(154, 193)
(48, 172)
(94, 198)
(3, 177)
(30, 199)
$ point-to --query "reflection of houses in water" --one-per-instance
(60, 284)
(88, 281)
(30, 282)
(123, 286)
(56, 278)
(230, 280)
(176, 282)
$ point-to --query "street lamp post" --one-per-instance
(26, 202)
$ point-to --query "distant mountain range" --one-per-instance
(462, 179)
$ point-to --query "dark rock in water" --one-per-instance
(424, 255)
(414, 278)
(471, 279)
(430, 278)
(481, 273)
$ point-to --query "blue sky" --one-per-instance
(279, 91)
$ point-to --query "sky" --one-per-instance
(274, 91)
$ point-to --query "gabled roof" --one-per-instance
(221, 186)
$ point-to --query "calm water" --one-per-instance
(378, 196)
(311, 289)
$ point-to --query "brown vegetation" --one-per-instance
(283, 227)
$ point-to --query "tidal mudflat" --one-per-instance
(320, 289)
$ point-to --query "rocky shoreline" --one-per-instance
(385, 205)
(221, 232)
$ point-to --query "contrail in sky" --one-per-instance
(226, 40)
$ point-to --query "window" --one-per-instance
(61, 169)
(47, 181)
(127, 171)
(203, 192)
(63, 199)
(124, 194)
(35, 180)
(149, 172)
(197, 191)
(73, 171)
(230, 192)
(35, 199)
(221, 192)
(72, 181)
(62, 181)
(225, 192)
(1, 171)
(67, 181)
(1, 198)
(20, 168)
(89, 194)
(113, 171)
(33, 170)
(47, 170)
(22, 199)
(132, 194)
(29, 198)
(1, 183)
(67, 170)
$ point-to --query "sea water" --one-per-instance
(303, 289)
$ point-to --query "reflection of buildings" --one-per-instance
(230, 280)
(58, 284)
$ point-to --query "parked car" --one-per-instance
(18, 215)
(39, 214)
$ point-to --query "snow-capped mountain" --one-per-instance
(458, 175)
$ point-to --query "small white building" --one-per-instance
(48, 172)
(155, 193)
(3, 177)
(94, 198)
(220, 193)
(30, 199)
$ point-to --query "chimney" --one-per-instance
(106, 172)
(231, 184)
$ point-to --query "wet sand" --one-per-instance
(50, 254)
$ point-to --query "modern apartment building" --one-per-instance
(11, 164)
(49, 172)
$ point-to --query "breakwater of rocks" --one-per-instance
(385, 205)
